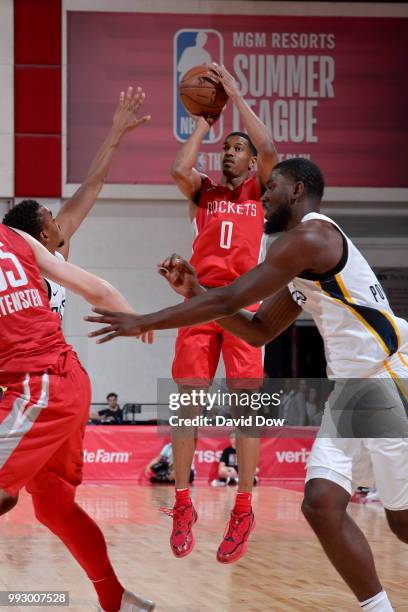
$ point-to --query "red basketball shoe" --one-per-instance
(182, 539)
(235, 542)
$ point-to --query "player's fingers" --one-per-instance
(144, 119)
(102, 330)
(109, 320)
(108, 338)
(162, 271)
(138, 99)
(139, 95)
(186, 266)
(121, 97)
(103, 311)
(216, 70)
(129, 95)
(147, 337)
(178, 261)
(174, 259)
(167, 262)
(162, 264)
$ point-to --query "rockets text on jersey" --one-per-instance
(228, 229)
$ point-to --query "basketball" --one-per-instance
(201, 92)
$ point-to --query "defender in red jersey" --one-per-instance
(45, 405)
(228, 221)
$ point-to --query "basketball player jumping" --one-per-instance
(45, 406)
(37, 220)
(314, 266)
(227, 220)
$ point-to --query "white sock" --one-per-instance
(378, 603)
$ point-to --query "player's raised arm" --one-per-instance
(185, 175)
(93, 289)
(262, 139)
(77, 208)
(272, 318)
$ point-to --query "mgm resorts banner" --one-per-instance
(328, 88)
(344, 408)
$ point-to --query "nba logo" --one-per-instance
(193, 47)
(201, 162)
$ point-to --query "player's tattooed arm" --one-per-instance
(273, 316)
(258, 132)
(75, 210)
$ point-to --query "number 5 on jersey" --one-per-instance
(226, 234)
(9, 278)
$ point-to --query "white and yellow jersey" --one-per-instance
(360, 332)
(56, 293)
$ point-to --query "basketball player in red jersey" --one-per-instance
(228, 222)
(45, 405)
(315, 267)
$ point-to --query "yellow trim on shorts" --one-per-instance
(362, 320)
(343, 288)
(398, 382)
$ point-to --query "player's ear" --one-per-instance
(298, 189)
(252, 163)
(43, 237)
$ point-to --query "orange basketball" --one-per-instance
(201, 92)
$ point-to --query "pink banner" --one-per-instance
(121, 453)
(331, 88)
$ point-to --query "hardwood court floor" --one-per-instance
(284, 569)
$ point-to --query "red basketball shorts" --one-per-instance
(198, 351)
(42, 423)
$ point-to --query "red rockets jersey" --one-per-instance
(228, 232)
(31, 338)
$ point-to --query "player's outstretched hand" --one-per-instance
(125, 118)
(180, 275)
(118, 324)
(226, 79)
(147, 337)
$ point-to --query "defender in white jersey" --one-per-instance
(352, 313)
(55, 234)
(314, 266)
(56, 292)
